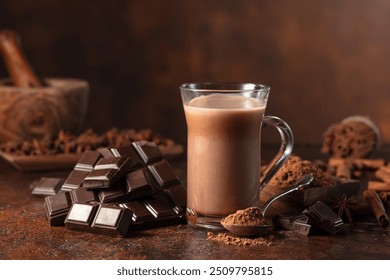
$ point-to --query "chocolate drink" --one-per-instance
(223, 153)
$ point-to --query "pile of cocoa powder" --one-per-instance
(250, 216)
(247, 217)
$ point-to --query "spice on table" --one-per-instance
(343, 206)
(377, 207)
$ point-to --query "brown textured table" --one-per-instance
(25, 234)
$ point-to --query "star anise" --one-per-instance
(343, 205)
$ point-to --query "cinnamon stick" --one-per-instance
(377, 207)
(383, 173)
(21, 72)
(384, 196)
(378, 186)
(343, 170)
(369, 163)
(359, 163)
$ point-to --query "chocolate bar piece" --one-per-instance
(98, 179)
(178, 195)
(106, 172)
(163, 173)
(160, 207)
(140, 213)
(115, 193)
(57, 207)
(88, 160)
(322, 216)
(162, 210)
(129, 152)
(139, 183)
(74, 180)
(112, 220)
(297, 224)
(106, 152)
(46, 186)
(148, 151)
(80, 216)
(83, 195)
(110, 163)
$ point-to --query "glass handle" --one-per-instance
(285, 150)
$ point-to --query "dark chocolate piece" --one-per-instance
(57, 207)
(160, 207)
(106, 172)
(83, 195)
(297, 224)
(163, 173)
(115, 193)
(112, 220)
(129, 152)
(80, 216)
(148, 151)
(106, 152)
(97, 179)
(139, 183)
(74, 180)
(46, 186)
(88, 160)
(140, 213)
(322, 216)
(178, 195)
(110, 163)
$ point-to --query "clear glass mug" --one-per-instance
(224, 122)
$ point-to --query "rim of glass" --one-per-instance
(224, 87)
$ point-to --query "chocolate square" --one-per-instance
(139, 183)
(115, 193)
(57, 207)
(88, 160)
(140, 213)
(74, 180)
(80, 216)
(110, 163)
(129, 152)
(112, 220)
(46, 186)
(148, 151)
(178, 195)
(83, 195)
(160, 207)
(106, 152)
(163, 173)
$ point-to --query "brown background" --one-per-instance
(324, 60)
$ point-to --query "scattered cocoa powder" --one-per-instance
(230, 239)
(247, 217)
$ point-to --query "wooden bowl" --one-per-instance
(27, 113)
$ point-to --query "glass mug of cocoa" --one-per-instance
(224, 122)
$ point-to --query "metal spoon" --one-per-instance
(243, 230)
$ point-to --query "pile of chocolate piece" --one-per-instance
(114, 191)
